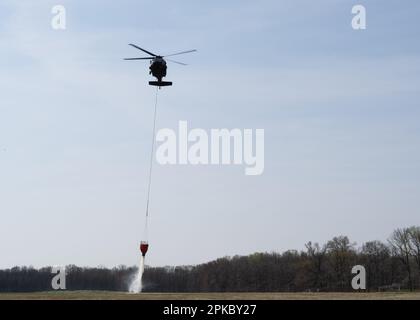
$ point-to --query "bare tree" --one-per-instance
(401, 247)
(376, 256)
(341, 254)
(317, 256)
(414, 235)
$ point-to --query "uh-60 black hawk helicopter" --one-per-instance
(158, 65)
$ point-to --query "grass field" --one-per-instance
(106, 295)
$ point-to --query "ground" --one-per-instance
(106, 295)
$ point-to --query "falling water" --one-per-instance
(136, 284)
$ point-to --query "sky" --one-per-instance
(340, 109)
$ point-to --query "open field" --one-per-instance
(106, 295)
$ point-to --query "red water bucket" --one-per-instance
(144, 246)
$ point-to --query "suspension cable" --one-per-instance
(151, 160)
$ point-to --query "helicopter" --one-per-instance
(158, 65)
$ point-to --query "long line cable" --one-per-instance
(151, 161)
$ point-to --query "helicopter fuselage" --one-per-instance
(158, 68)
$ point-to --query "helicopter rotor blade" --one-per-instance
(181, 63)
(148, 52)
(183, 52)
(148, 58)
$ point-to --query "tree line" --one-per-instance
(391, 265)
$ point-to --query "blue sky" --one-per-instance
(339, 107)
